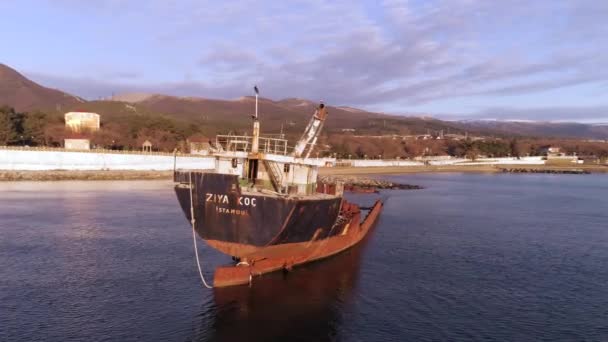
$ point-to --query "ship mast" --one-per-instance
(256, 125)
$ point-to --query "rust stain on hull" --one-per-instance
(268, 232)
(273, 258)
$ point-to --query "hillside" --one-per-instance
(213, 116)
(25, 95)
(289, 114)
(292, 115)
(544, 129)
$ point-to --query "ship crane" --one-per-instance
(311, 133)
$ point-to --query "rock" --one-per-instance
(553, 171)
(363, 184)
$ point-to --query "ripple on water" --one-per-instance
(470, 257)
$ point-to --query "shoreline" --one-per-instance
(63, 175)
(378, 170)
(71, 175)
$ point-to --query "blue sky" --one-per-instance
(508, 59)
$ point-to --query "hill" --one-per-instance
(290, 115)
(25, 95)
(214, 116)
(541, 129)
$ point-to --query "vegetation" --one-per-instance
(31, 129)
(168, 121)
(349, 146)
(124, 132)
(127, 128)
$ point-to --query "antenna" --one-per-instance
(256, 124)
(257, 91)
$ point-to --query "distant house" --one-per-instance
(199, 145)
(77, 144)
(82, 121)
(590, 159)
(552, 151)
(424, 137)
(555, 155)
(455, 136)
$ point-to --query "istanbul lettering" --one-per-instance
(242, 201)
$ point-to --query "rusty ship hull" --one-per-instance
(266, 232)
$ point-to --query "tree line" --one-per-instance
(38, 128)
(31, 129)
(128, 132)
(348, 146)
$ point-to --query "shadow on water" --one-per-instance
(305, 305)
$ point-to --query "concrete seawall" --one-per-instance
(440, 161)
(41, 160)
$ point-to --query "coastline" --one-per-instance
(342, 171)
(61, 175)
(65, 175)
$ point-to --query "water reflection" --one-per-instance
(302, 305)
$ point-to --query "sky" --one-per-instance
(457, 59)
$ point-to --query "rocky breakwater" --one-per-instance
(364, 184)
(554, 171)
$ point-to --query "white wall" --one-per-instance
(446, 161)
(379, 162)
(72, 160)
(505, 161)
(443, 161)
(65, 160)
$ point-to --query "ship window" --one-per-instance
(286, 168)
(234, 163)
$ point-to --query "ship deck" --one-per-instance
(182, 177)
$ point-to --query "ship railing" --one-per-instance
(243, 143)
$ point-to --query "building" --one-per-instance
(455, 136)
(146, 146)
(77, 144)
(82, 121)
(552, 151)
(200, 146)
(555, 155)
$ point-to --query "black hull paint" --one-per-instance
(224, 214)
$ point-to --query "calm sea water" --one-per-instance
(471, 257)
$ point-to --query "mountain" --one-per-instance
(24, 95)
(290, 115)
(541, 129)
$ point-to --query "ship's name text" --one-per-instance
(223, 199)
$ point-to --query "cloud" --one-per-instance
(393, 53)
(578, 114)
(122, 75)
(94, 89)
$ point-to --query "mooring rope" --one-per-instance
(193, 221)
